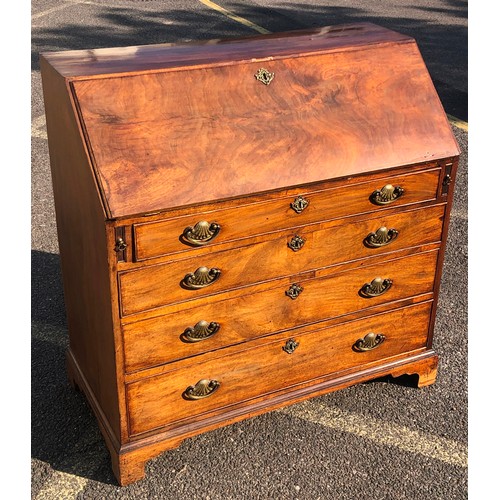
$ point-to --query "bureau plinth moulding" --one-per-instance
(244, 224)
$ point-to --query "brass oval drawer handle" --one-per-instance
(201, 278)
(203, 389)
(294, 291)
(299, 204)
(201, 331)
(386, 195)
(377, 287)
(381, 237)
(202, 233)
(296, 243)
(369, 342)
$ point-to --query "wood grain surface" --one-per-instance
(159, 285)
(245, 373)
(106, 61)
(145, 141)
(129, 464)
(195, 136)
(154, 239)
(158, 340)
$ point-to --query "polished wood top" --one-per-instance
(81, 63)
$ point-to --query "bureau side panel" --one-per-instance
(83, 249)
(448, 179)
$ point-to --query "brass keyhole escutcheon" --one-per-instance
(120, 245)
(296, 243)
(299, 204)
(264, 76)
(290, 346)
(294, 291)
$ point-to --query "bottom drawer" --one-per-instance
(244, 372)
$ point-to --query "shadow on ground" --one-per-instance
(64, 432)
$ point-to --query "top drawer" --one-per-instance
(206, 228)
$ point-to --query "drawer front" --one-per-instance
(154, 286)
(216, 324)
(278, 365)
(204, 229)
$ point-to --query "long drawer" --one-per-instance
(192, 331)
(261, 367)
(154, 286)
(212, 227)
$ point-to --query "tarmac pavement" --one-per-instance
(378, 440)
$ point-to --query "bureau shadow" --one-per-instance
(64, 433)
(443, 44)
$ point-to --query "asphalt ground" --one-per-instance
(379, 440)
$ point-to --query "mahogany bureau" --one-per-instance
(244, 224)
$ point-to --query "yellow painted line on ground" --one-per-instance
(49, 11)
(235, 17)
(458, 123)
(381, 432)
(62, 486)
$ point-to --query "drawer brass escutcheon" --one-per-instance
(201, 278)
(202, 233)
(201, 331)
(264, 76)
(290, 346)
(381, 237)
(296, 243)
(203, 389)
(299, 204)
(369, 342)
(386, 195)
(294, 291)
(120, 245)
(377, 287)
